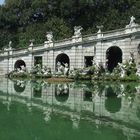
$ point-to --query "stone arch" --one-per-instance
(63, 59)
(112, 102)
(113, 57)
(61, 92)
(19, 63)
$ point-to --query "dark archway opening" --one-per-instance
(88, 61)
(62, 59)
(113, 56)
(38, 60)
(112, 102)
(138, 49)
(37, 92)
(19, 64)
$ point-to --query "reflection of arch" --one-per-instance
(61, 92)
(37, 89)
(112, 103)
(37, 92)
(63, 59)
(87, 96)
(19, 63)
(19, 86)
(113, 56)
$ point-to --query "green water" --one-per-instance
(37, 110)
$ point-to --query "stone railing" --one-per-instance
(75, 40)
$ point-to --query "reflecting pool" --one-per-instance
(37, 110)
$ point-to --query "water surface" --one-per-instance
(37, 110)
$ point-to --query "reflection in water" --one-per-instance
(112, 102)
(83, 110)
(88, 95)
(37, 89)
(61, 92)
(19, 86)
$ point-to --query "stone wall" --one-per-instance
(76, 48)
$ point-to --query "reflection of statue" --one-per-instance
(47, 113)
(19, 86)
(62, 92)
(75, 120)
(49, 36)
(62, 89)
(77, 31)
(20, 83)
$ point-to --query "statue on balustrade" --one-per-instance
(49, 37)
(132, 22)
(77, 31)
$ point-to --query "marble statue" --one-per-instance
(131, 60)
(132, 22)
(99, 29)
(93, 61)
(31, 43)
(77, 31)
(46, 70)
(66, 69)
(122, 68)
(138, 70)
(23, 68)
(9, 45)
(49, 37)
(60, 67)
(47, 112)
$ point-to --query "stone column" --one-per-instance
(100, 56)
(77, 41)
(30, 63)
(49, 59)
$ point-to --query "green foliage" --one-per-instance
(22, 20)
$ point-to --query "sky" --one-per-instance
(1, 2)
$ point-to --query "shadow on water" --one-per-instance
(69, 111)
